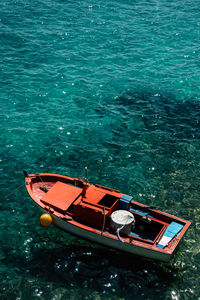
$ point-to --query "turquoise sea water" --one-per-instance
(113, 85)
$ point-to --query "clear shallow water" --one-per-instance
(113, 85)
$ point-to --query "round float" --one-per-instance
(46, 220)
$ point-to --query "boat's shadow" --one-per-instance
(99, 269)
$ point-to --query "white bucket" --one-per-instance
(124, 219)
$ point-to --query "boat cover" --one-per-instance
(61, 196)
(172, 230)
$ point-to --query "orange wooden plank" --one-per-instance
(61, 196)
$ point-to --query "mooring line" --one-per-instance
(15, 189)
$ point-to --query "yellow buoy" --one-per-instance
(45, 220)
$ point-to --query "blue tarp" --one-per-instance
(172, 230)
(141, 212)
(124, 202)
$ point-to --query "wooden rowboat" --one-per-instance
(89, 211)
